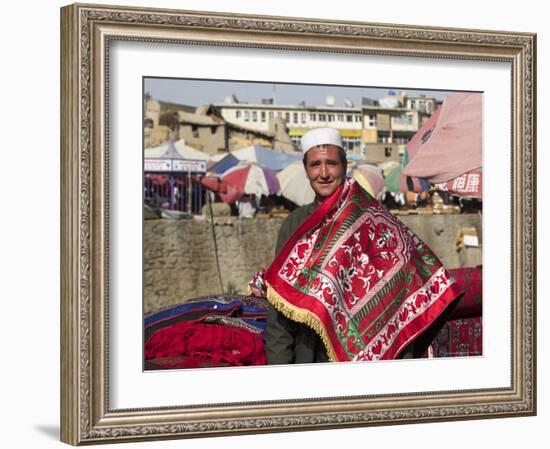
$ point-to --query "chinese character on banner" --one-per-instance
(459, 183)
(469, 184)
(472, 184)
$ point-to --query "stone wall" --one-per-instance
(440, 233)
(180, 263)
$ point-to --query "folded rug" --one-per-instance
(216, 330)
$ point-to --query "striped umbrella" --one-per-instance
(388, 166)
(294, 184)
(370, 178)
(228, 193)
(251, 178)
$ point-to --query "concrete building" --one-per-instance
(158, 122)
(205, 129)
(387, 130)
(422, 103)
(378, 129)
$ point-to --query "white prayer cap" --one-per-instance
(321, 136)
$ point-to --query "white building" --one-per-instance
(299, 119)
(384, 126)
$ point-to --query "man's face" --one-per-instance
(324, 169)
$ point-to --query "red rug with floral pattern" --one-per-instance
(359, 277)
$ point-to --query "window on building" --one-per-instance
(295, 117)
(246, 116)
(313, 117)
(262, 116)
(287, 117)
(340, 117)
(322, 117)
(213, 129)
(413, 104)
(254, 116)
(237, 114)
(271, 114)
(372, 120)
(383, 138)
(349, 118)
(303, 117)
(350, 143)
(400, 139)
(296, 141)
(357, 118)
(387, 151)
(330, 117)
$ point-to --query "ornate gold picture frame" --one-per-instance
(87, 411)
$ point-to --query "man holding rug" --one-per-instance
(350, 282)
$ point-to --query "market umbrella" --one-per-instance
(274, 160)
(214, 183)
(253, 179)
(370, 178)
(392, 178)
(388, 166)
(228, 193)
(395, 181)
(224, 164)
(425, 131)
(449, 144)
(295, 185)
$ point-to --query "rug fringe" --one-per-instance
(301, 316)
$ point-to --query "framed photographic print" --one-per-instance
(127, 151)
(222, 174)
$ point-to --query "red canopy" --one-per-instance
(228, 193)
(449, 144)
(469, 184)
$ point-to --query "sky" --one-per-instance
(194, 92)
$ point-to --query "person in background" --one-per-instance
(247, 207)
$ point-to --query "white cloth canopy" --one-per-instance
(182, 149)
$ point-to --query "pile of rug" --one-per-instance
(217, 330)
(228, 330)
(461, 335)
